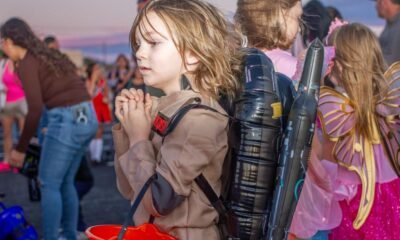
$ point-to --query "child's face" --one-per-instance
(159, 60)
(121, 62)
(292, 17)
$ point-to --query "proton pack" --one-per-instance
(257, 121)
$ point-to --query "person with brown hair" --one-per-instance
(352, 186)
(316, 20)
(50, 81)
(272, 26)
(120, 74)
(184, 48)
(52, 42)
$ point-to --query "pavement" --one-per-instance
(102, 205)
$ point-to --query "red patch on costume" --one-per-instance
(160, 124)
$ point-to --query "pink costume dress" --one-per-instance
(351, 185)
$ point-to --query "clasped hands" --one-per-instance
(133, 110)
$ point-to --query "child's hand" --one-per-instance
(133, 111)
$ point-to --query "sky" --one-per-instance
(92, 25)
(72, 19)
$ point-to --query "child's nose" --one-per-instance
(140, 53)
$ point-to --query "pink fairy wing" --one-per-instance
(338, 121)
(391, 143)
(389, 105)
(351, 150)
(336, 113)
(388, 110)
(348, 151)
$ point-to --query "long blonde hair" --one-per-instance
(261, 22)
(200, 28)
(360, 66)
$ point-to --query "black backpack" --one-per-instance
(257, 120)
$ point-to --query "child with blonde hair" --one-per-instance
(352, 185)
(272, 26)
(184, 48)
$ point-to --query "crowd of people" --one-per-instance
(189, 50)
(65, 103)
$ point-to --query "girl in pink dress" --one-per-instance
(14, 109)
(352, 186)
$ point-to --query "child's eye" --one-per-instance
(153, 43)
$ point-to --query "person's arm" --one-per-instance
(28, 72)
(321, 150)
(185, 153)
(121, 145)
(106, 92)
(90, 87)
(317, 207)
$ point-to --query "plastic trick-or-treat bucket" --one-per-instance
(142, 232)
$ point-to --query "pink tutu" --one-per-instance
(331, 195)
(383, 221)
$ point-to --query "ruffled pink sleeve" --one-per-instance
(318, 207)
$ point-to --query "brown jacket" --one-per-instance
(197, 145)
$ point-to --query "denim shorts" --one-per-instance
(15, 109)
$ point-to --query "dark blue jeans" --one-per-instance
(69, 132)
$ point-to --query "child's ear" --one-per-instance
(191, 60)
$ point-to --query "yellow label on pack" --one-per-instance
(276, 110)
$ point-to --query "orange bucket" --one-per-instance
(142, 232)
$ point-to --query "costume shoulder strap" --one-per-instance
(163, 125)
